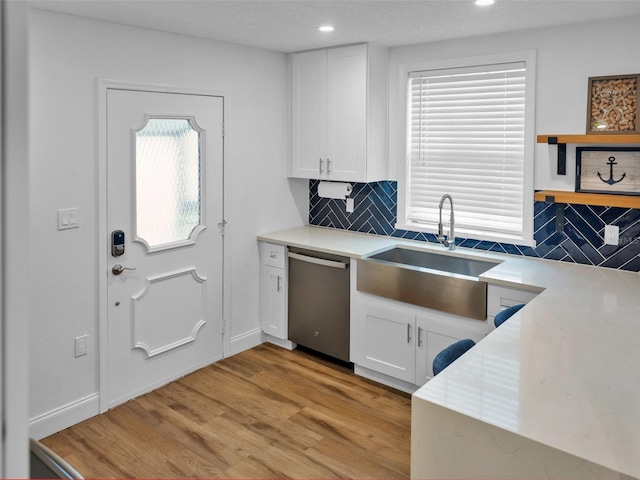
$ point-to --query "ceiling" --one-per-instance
(291, 25)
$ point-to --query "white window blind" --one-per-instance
(467, 139)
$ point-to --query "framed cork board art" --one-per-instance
(608, 170)
(612, 104)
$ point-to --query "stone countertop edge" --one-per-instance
(359, 245)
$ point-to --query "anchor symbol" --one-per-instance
(611, 181)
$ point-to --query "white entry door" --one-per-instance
(164, 206)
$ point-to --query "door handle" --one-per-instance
(318, 261)
(328, 166)
(408, 333)
(118, 269)
(321, 166)
(278, 286)
(419, 336)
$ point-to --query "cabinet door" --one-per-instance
(386, 341)
(273, 301)
(347, 113)
(309, 115)
(435, 333)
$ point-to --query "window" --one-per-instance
(470, 134)
(167, 176)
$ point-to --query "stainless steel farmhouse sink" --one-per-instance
(443, 282)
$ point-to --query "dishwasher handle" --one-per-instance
(318, 261)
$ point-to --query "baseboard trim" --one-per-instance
(84, 408)
(64, 416)
(385, 379)
(162, 382)
(246, 341)
(288, 344)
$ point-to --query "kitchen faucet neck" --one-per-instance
(450, 241)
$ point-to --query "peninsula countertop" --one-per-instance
(564, 371)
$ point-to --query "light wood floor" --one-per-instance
(263, 413)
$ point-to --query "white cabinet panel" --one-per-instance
(273, 301)
(386, 341)
(309, 113)
(347, 113)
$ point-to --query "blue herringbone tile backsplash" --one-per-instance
(581, 242)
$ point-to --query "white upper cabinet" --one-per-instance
(339, 114)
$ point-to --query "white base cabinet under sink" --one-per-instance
(395, 343)
(400, 341)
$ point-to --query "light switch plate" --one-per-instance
(611, 234)
(68, 218)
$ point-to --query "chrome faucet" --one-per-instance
(451, 238)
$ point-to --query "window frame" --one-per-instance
(529, 58)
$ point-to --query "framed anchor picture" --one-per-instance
(608, 170)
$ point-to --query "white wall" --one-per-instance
(566, 57)
(68, 55)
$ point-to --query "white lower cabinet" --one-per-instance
(273, 301)
(437, 331)
(401, 342)
(273, 290)
(395, 343)
(386, 341)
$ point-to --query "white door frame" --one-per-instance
(103, 234)
(14, 247)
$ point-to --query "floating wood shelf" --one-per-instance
(562, 140)
(601, 199)
(595, 138)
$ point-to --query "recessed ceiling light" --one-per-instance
(326, 28)
(484, 3)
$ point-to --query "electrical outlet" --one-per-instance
(81, 346)
(350, 205)
(611, 235)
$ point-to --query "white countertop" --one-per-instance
(564, 371)
(330, 240)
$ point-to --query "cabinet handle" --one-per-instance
(328, 166)
(408, 333)
(321, 166)
(318, 261)
(278, 286)
(419, 337)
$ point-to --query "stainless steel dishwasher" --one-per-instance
(319, 302)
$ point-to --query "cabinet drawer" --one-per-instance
(273, 255)
(499, 298)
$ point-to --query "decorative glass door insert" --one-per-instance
(168, 190)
